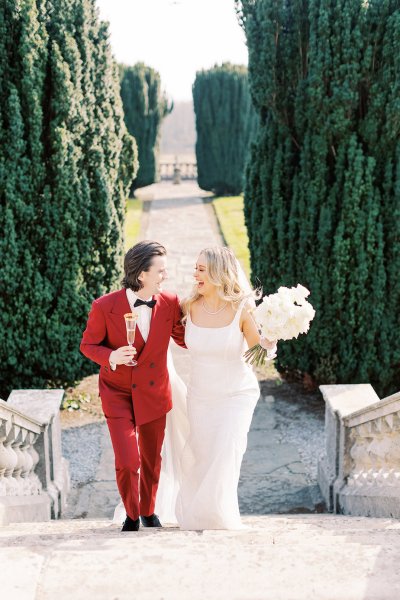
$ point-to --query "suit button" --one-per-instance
(151, 382)
(106, 369)
(152, 365)
(133, 385)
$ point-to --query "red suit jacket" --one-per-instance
(147, 383)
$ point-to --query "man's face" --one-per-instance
(153, 278)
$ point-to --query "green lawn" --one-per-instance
(134, 208)
(229, 211)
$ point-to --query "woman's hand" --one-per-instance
(267, 344)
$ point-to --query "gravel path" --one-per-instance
(81, 446)
(300, 420)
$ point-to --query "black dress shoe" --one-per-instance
(151, 521)
(130, 524)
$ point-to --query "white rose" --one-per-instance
(308, 310)
(291, 330)
(285, 314)
(300, 293)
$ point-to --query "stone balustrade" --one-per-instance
(359, 473)
(18, 457)
(34, 477)
(182, 169)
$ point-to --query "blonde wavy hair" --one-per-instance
(222, 270)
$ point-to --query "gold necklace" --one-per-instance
(213, 313)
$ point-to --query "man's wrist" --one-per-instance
(113, 364)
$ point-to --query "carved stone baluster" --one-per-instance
(35, 484)
(27, 462)
(19, 467)
(12, 460)
(360, 465)
(3, 456)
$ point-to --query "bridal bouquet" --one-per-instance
(281, 316)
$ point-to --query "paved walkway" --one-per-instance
(181, 221)
(297, 557)
(274, 478)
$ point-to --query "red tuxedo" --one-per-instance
(134, 397)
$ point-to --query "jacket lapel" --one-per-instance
(119, 309)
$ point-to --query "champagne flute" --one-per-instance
(130, 324)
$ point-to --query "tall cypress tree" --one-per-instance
(23, 40)
(225, 123)
(66, 163)
(145, 106)
(322, 185)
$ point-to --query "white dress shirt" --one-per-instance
(144, 317)
(143, 311)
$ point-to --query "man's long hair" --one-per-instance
(140, 258)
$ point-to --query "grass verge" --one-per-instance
(230, 215)
(134, 207)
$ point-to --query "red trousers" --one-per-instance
(136, 447)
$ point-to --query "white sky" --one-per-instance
(175, 37)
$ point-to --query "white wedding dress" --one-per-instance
(206, 432)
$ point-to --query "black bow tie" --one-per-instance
(149, 303)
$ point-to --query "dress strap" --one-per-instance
(239, 310)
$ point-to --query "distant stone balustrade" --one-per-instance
(34, 477)
(360, 471)
(178, 170)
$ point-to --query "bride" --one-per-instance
(206, 433)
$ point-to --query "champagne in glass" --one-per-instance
(130, 324)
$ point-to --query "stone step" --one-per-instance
(291, 557)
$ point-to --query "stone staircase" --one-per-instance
(295, 557)
(277, 557)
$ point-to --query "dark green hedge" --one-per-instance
(145, 106)
(66, 164)
(322, 195)
(225, 123)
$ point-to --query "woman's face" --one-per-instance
(204, 285)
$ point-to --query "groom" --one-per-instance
(135, 400)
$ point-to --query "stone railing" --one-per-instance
(178, 170)
(360, 471)
(34, 477)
